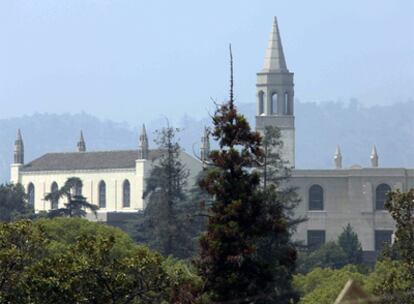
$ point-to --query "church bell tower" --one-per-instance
(275, 106)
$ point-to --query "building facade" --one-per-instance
(330, 198)
(112, 180)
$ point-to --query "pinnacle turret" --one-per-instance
(374, 157)
(275, 58)
(205, 146)
(338, 158)
(143, 144)
(19, 149)
(81, 143)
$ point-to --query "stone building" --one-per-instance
(331, 198)
(113, 180)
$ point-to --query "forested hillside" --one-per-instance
(319, 128)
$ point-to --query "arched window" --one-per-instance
(261, 102)
(286, 104)
(55, 200)
(31, 194)
(316, 198)
(102, 195)
(78, 189)
(274, 103)
(381, 196)
(126, 194)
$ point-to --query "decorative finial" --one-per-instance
(338, 158)
(143, 144)
(81, 143)
(205, 146)
(374, 157)
(18, 149)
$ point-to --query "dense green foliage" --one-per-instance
(46, 263)
(75, 204)
(329, 255)
(241, 215)
(13, 203)
(322, 285)
(347, 250)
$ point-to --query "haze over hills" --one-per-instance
(319, 128)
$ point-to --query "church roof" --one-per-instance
(275, 58)
(122, 159)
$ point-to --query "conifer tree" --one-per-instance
(241, 216)
(161, 226)
(351, 245)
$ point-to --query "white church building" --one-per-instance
(331, 198)
(112, 180)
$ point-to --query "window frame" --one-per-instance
(380, 204)
(320, 204)
(322, 237)
(102, 194)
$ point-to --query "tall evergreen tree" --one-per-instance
(241, 216)
(351, 245)
(161, 225)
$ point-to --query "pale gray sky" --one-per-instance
(136, 60)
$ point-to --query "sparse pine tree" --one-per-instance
(75, 204)
(162, 224)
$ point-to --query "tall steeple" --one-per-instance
(205, 146)
(275, 58)
(143, 144)
(18, 149)
(374, 157)
(338, 158)
(81, 143)
(275, 95)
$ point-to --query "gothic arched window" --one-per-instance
(261, 102)
(31, 194)
(315, 198)
(102, 195)
(55, 200)
(381, 196)
(274, 103)
(126, 194)
(286, 104)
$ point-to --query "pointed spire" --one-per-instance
(374, 157)
(81, 143)
(338, 158)
(275, 58)
(205, 146)
(143, 144)
(19, 149)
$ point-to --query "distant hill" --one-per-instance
(319, 128)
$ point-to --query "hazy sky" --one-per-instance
(136, 60)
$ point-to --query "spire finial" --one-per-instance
(205, 146)
(81, 143)
(275, 58)
(18, 149)
(374, 157)
(338, 158)
(143, 144)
